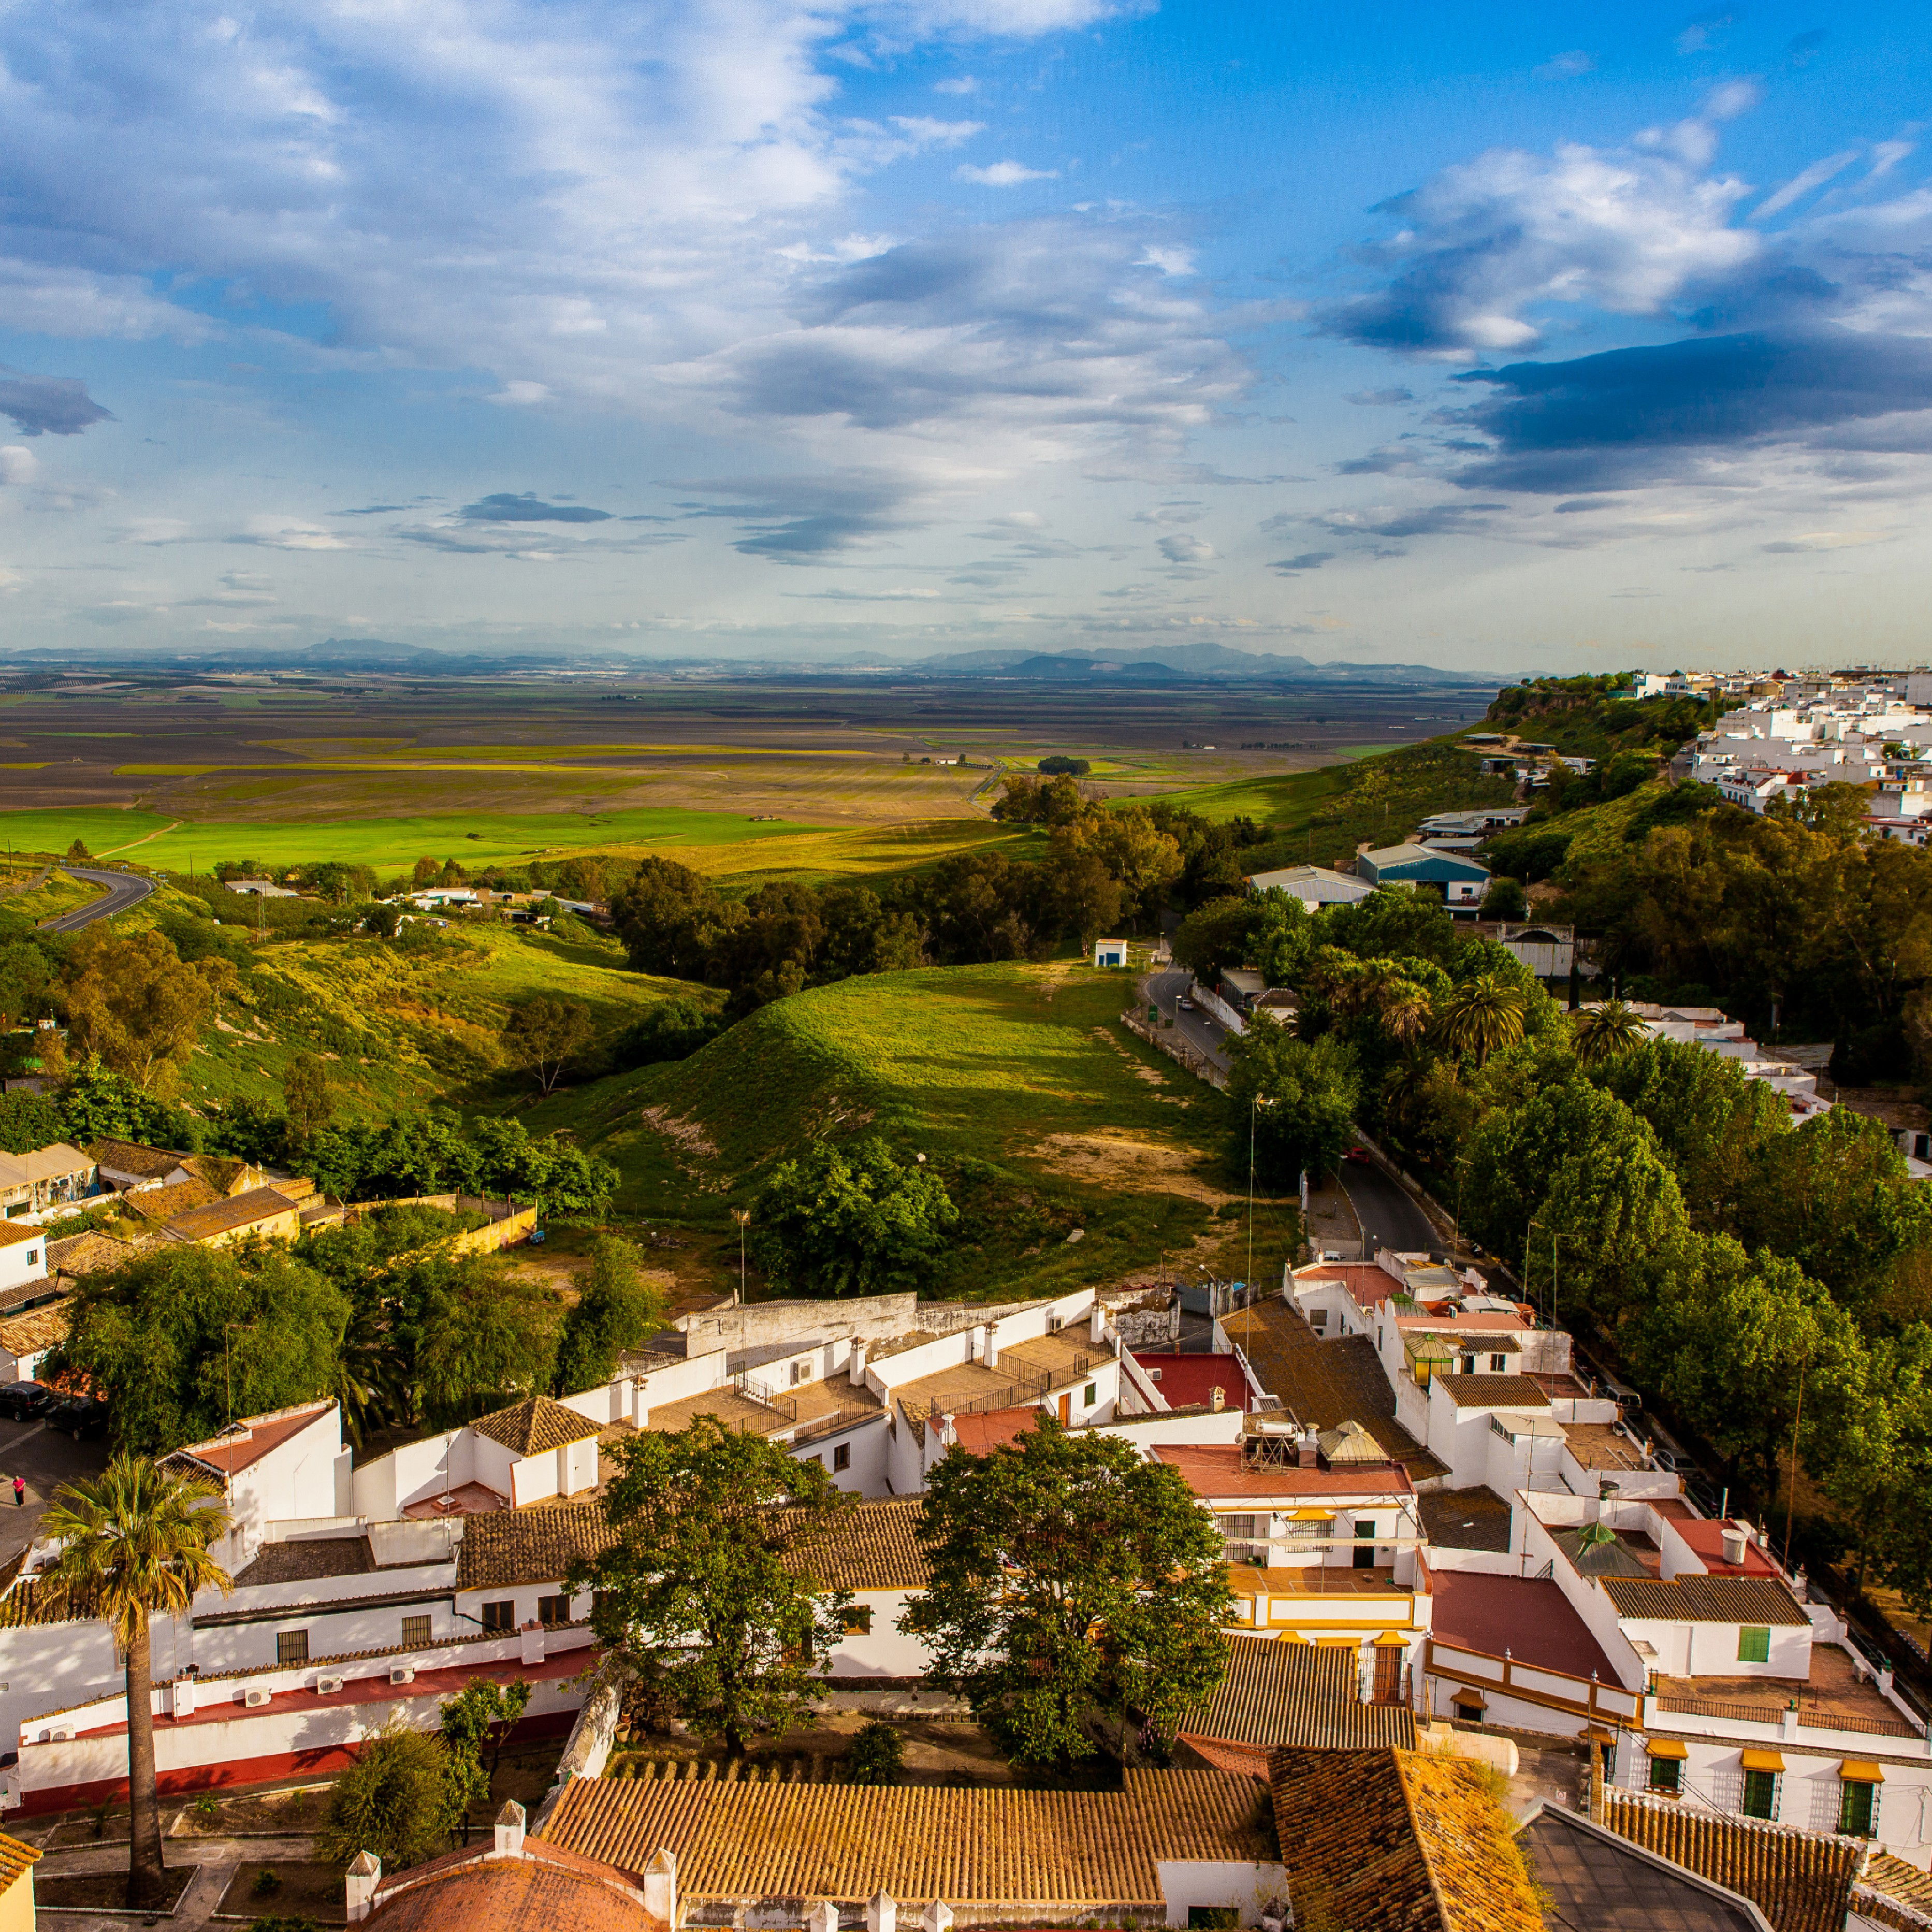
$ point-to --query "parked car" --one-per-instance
(79, 1415)
(1185, 1005)
(1676, 1461)
(1360, 1155)
(20, 1401)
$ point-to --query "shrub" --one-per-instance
(876, 1756)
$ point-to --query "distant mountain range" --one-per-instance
(1180, 664)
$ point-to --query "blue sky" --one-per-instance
(1501, 338)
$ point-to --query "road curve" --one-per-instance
(124, 890)
(1390, 1217)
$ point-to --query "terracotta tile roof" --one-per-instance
(874, 1546)
(128, 1157)
(1323, 1385)
(1705, 1600)
(230, 1216)
(1493, 1392)
(998, 1428)
(1800, 1883)
(89, 1253)
(163, 1204)
(15, 1858)
(534, 1425)
(306, 1562)
(246, 1441)
(1368, 1284)
(1893, 1893)
(1398, 1841)
(1216, 1469)
(39, 1328)
(475, 1890)
(981, 1848)
(1303, 1696)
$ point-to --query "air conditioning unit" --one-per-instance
(403, 1673)
(256, 1695)
(327, 1687)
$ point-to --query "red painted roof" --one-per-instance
(1706, 1539)
(997, 1429)
(1529, 1617)
(253, 1437)
(1482, 1321)
(1215, 1470)
(1369, 1285)
(1186, 1380)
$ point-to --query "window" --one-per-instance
(33, 1256)
(1666, 1775)
(1089, 1395)
(842, 1456)
(857, 1622)
(797, 1373)
(1760, 1794)
(1858, 1808)
(1498, 1364)
(415, 1633)
(1468, 1365)
(292, 1646)
(1753, 1644)
(499, 1616)
(1213, 1918)
(1153, 1375)
(553, 1609)
(817, 1456)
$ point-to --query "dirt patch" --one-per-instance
(1125, 1159)
(686, 1134)
(106, 1890)
(1152, 1075)
(294, 1811)
(305, 1891)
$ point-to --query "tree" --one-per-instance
(383, 920)
(1605, 1029)
(615, 1311)
(1072, 1583)
(1086, 897)
(427, 872)
(134, 1541)
(1217, 935)
(1304, 1095)
(671, 919)
(1504, 898)
(707, 1588)
(187, 1338)
(306, 1094)
(480, 1717)
(401, 1800)
(876, 1755)
(545, 1034)
(1481, 1014)
(131, 1001)
(850, 1220)
(482, 1336)
(78, 854)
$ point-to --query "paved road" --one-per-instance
(124, 890)
(1390, 1218)
(1202, 1032)
(47, 1460)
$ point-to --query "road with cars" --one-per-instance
(1200, 1029)
(124, 890)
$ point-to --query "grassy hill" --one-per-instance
(1043, 1112)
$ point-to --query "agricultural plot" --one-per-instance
(1044, 1114)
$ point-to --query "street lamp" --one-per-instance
(742, 1216)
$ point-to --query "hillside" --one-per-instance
(1044, 1115)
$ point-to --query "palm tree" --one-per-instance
(1481, 1014)
(135, 1541)
(1405, 1011)
(1606, 1029)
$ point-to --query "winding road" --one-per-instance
(124, 890)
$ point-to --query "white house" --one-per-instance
(23, 1254)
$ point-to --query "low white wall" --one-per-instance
(1247, 1887)
(869, 1469)
(885, 1651)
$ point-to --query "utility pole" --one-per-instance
(741, 1216)
(1791, 1485)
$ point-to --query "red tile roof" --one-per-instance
(1529, 1617)
(1186, 1380)
(251, 1439)
(477, 1890)
(1370, 1285)
(1216, 1469)
(1706, 1539)
(1000, 1429)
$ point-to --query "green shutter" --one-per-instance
(1855, 1809)
(1753, 1644)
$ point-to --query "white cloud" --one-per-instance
(1567, 66)
(1802, 184)
(18, 465)
(960, 83)
(1170, 261)
(1180, 548)
(1004, 174)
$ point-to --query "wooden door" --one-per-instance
(1066, 1408)
(1388, 1675)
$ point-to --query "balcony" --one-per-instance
(1834, 1698)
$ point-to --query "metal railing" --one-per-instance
(1018, 1391)
(1775, 1714)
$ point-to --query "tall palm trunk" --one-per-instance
(146, 1884)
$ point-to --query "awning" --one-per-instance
(1763, 1761)
(1291, 1636)
(1311, 1516)
(1598, 1736)
(1391, 1639)
(1470, 1700)
(1665, 1747)
(1861, 1771)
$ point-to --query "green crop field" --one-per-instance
(388, 844)
(1044, 1114)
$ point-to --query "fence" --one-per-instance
(1192, 1058)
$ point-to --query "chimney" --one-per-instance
(530, 1642)
(510, 1829)
(1736, 1541)
(1096, 1325)
(990, 1352)
(359, 1886)
(661, 1889)
(1307, 1449)
(824, 1917)
(1216, 1401)
(882, 1913)
(938, 1917)
(855, 1367)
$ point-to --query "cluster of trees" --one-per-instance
(855, 1219)
(1099, 869)
(378, 1313)
(1073, 1586)
(1761, 1278)
(1586, 714)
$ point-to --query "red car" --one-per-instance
(1360, 1155)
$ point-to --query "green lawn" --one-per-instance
(388, 844)
(1045, 1114)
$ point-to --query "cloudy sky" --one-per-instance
(1496, 337)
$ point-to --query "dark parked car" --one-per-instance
(20, 1402)
(79, 1415)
